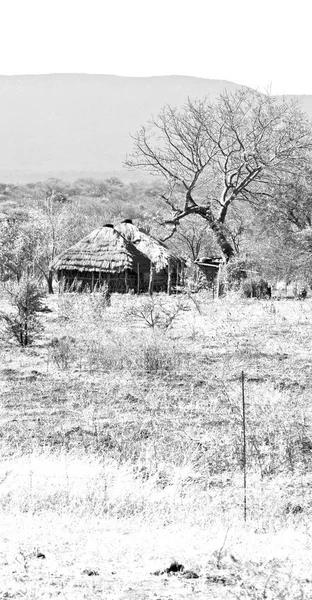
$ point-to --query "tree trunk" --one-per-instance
(50, 282)
(226, 248)
(217, 228)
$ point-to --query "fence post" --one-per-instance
(244, 446)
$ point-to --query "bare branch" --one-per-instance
(217, 153)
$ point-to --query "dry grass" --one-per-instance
(122, 451)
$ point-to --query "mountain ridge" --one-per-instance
(79, 124)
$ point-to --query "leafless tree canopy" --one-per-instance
(212, 153)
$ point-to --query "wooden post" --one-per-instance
(126, 280)
(92, 281)
(169, 278)
(244, 446)
(225, 278)
(138, 288)
(182, 273)
(151, 279)
(178, 277)
(218, 282)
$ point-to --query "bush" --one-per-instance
(155, 357)
(156, 312)
(63, 351)
(26, 298)
(255, 288)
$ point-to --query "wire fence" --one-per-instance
(226, 485)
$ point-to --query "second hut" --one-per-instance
(166, 270)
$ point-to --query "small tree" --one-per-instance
(26, 297)
(16, 251)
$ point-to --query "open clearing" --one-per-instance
(121, 450)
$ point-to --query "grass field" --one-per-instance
(121, 450)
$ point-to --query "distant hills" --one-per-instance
(71, 126)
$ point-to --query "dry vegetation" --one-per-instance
(121, 450)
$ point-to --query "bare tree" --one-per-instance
(212, 154)
(193, 238)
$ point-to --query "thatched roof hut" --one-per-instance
(102, 256)
(124, 257)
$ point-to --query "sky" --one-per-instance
(264, 44)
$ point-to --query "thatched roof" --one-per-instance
(104, 249)
(156, 251)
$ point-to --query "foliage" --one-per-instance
(63, 351)
(26, 298)
(256, 287)
(277, 242)
(16, 251)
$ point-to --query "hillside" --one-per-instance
(72, 126)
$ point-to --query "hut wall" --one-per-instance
(160, 280)
(116, 282)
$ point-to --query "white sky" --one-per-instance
(261, 43)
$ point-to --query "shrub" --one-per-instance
(156, 312)
(26, 298)
(62, 351)
(155, 357)
(254, 288)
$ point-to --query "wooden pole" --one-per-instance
(244, 446)
(178, 278)
(126, 281)
(138, 288)
(218, 282)
(182, 272)
(169, 278)
(150, 285)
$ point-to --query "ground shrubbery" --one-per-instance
(143, 424)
